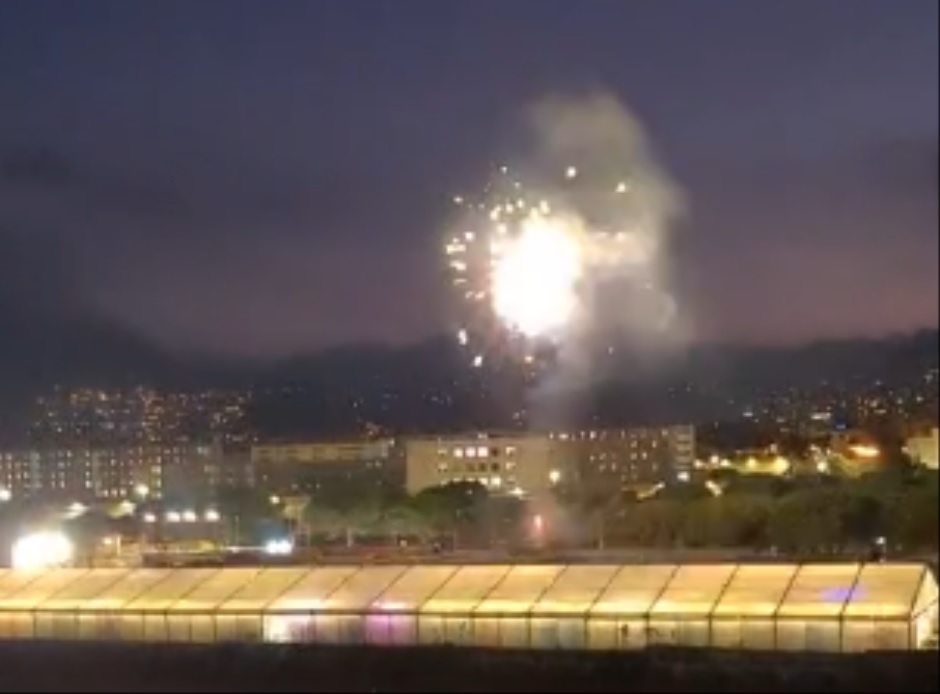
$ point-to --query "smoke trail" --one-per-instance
(626, 305)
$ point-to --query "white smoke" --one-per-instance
(626, 301)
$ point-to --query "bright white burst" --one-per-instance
(522, 258)
(535, 277)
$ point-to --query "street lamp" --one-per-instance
(141, 491)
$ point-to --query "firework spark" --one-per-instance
(524, 258)
(535, 261)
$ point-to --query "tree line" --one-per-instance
(807, 515)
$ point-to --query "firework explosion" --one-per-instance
(527, 261)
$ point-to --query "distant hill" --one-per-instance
(428, 384)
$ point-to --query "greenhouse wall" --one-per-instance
(809, 607)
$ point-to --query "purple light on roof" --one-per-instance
(839, 594)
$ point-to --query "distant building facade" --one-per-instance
(321, 467)
(634, 458)
(504, 463)
(96, 417)
(79, 473)
(533, 465)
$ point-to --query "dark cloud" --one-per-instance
(212, 199)
(39, 167)
(35, 277)
(823, 246)
(271, 179)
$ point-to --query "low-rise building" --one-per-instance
(523, 465)
(321, 467)
(533, 464)
(155, 471)
(632, 458)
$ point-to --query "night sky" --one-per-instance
(265, 178)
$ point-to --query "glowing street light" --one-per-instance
(42, 550)
(75, 510)
(212, 516)
(279, 548)
(554, 476)
(5, 494)
(141, 491)
(173, 517)
(189, 516)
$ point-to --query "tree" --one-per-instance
(405, 521)
(727, 521)
(245, 512)
(450, 508)
(653, 523)
(913, 520)
(808, 520)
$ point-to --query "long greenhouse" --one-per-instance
(811, 607)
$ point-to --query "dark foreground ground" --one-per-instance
(77, 667)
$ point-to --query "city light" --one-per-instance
(141, 491)
(173, 517)
(538, 524)
(150, 518)
(279, 548)
(5, 494)
(42, 550)
(212, 516)
(554, 476)
(75, 510)
(865, 451)
(189, 516)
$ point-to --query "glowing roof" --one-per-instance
(732, 591)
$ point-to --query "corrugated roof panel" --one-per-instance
(820, 591)
(519, 590)
(466, 588)
(44, 587)
(885, 591)
(575, 590)
(311, 592)
(634, 590)
(756, 590)
(162, 595)
(693, 590)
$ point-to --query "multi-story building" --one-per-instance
(20, 472)
(532, 465)
(633, 458)
(322, 467)
(177, 471)
(94, 417)
(525, 465)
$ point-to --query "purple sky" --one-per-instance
(272, 177)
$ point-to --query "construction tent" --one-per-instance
(808, 607)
